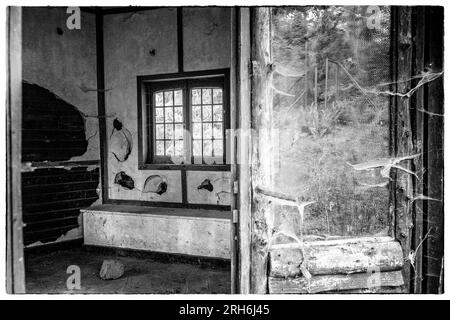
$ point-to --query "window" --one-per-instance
(186, 120)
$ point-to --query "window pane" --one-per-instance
(217, 130)
(217, 114)
(197, 148)
(170, 149)
(196, 130)
(217, 96)
(169, 114)
(179, 114)
(196, 96)
(159, 131)
(207, 130)
(168, 98)
(326, 123)
(179, 147)
(159, 99)
(159, 115)
(218, 148)
(159, 148)
(179, 131)
(207, 148)
(197, 113)
(207, 113)
(178, 98)
(169, 131)
(206, 96)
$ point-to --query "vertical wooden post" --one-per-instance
(233, 154)
(244, 143)
(403, 145)
(262, 160)
(417, 102)
(434, 132)
(15, 269)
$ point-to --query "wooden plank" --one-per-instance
(244, 143)
(262, 167)
(403, 144)
(322, 259)
(417, 123)
(233, 154)
(15, 269)
(434, 219)
(335, 283)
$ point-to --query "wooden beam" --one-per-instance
(15, 269)
(402, 134)
(336, 283)
(101, 106)
(262, 159)
(244, 148)
(434, 132)
(343, 257)
(417, 125)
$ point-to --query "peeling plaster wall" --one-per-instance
(128, 40)
(63, 64)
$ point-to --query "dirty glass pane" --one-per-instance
(159, 131)
(179, 131)
(179, 147)
(218, 148)
(196, 96)
(170, 150)
(169, 131)
(217, 96)
(206, 96)
(168, 98)
(329, 63)
(207, 148)
(178, 114)
(207, 131)
(197, 147)
(168, 115)
(207, 113)
(197, 113)
(178, 97)
(159, 115)
(217, 131)
(197, 130)
(217, 113)
(159, 99)
(159, 148)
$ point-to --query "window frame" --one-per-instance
(184, 80)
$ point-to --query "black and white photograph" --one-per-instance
(201, 149)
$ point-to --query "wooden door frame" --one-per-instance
(15, 269)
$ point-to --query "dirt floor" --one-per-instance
(46, 273)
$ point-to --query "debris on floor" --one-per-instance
(111, 270)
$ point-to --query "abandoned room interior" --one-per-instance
(204, 150)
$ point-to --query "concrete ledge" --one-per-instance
(203, 233)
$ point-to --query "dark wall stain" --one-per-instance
(52, 199)
(206, 185)
(52, 129)
(124, 180)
